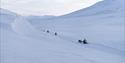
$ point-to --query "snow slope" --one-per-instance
(101, 23)
(23, 41)
(20, 48)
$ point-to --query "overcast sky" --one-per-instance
(45, 7)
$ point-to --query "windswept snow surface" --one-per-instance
(23, 41)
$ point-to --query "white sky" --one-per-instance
(45, 7)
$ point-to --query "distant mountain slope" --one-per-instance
(39, 17)
(103, 7)
(6, 16)
(5, 11)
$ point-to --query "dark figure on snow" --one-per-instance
(85, 41)
(55, 34)
(47, 31)
(80, 41)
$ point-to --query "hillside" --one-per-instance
(27, 41)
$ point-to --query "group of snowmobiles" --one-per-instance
(84, 41)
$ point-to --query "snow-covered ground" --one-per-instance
(26, 41)
(102, 23)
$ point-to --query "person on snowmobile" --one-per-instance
(85, 41)
(55, 34)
